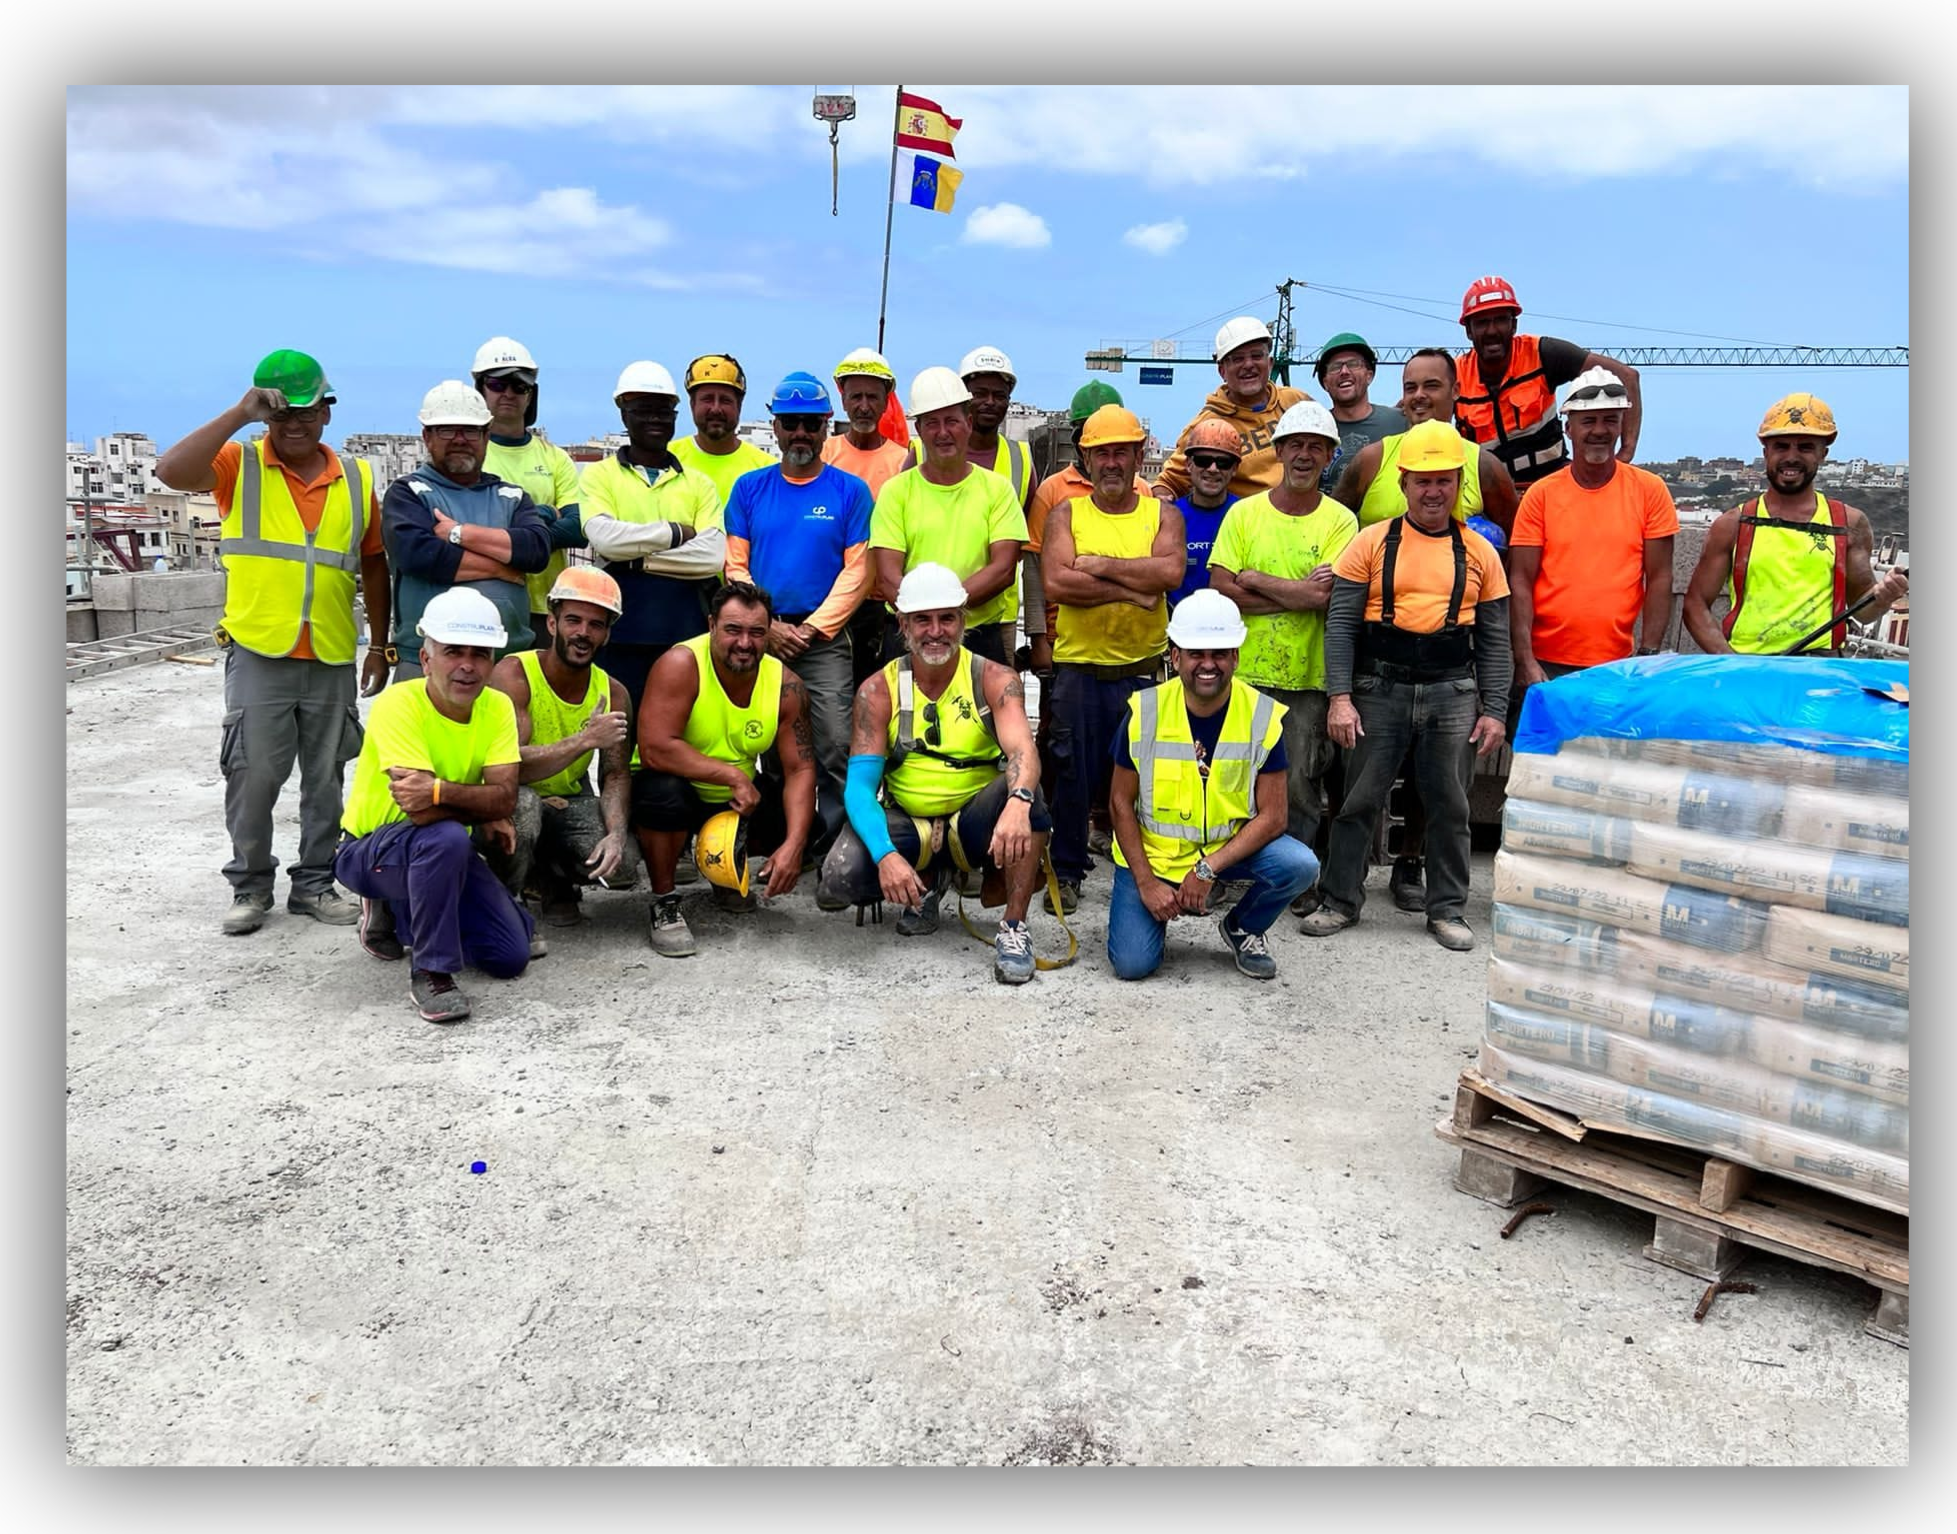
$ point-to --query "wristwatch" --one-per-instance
(1023, 795)
(1642, 650)
(1204, 872)
(455, 534)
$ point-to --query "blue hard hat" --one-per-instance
(801, 394)
(1489, 530)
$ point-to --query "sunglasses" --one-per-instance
(306, 415)
(932, 737)
(1212, 461)
(811, 424)
(1614, 391)
(507, 384)
(665, 412)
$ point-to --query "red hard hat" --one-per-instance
(1489, 295)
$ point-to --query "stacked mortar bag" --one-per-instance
(1701, 927)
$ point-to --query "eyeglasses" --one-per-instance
(507, 383)
(454, 433)
(1212, 461)
(1349, 366)
(1611, 391)
(932, 737)
(305, 415)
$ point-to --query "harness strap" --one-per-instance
(1460, 591)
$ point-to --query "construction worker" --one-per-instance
(505, 374)
(1369, 482)
(715, 388)
(988, 376)
(441, 757)
(947, 512)
(1416, 649)
(1507, 385)
(1212, 451)
(568, 711)
(1198, 798)
(1792, 560)
(452, 523)
(1111, 558)
(299, 521)
(716, 704)
(1247, 402)
(944, 732)
(656, 528)
(864, 384)
(1590, 557)
(801, 531)
(1344, 370)
(1273, 560)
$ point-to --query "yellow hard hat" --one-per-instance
(1431, 447)
(715, 368)
(720, 852)
(1112, 423)
(1799, 415)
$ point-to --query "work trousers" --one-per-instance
(1279, 871)
(1434, 718)
(555, 838)
(1308, 753)
(824, 668)
(277, 712)
(448, 906)
(1088, 713)
(849, 875)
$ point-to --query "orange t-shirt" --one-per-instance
(308, 498)
(871, 465)
(1591, 586)
(1423, 573)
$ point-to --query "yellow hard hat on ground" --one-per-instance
(1112, 423)
(1799, 415)
(720, 852)
(1431, 447)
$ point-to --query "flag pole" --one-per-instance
(890, 212)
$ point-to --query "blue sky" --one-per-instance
(390, 229)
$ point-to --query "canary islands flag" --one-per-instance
(934, 185)
(922, 124)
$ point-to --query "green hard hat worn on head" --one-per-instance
(1344, 341)
(1090, 397)
(297, 376)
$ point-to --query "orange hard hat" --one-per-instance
(586, 583)
(1489, 295)
(1209, 435)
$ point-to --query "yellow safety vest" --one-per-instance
(936, 769)
(279, 578)
(552, 720)
(1189, 809)
(720, 728)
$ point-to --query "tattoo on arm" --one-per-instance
(866, 737)
(1015, 689)
(804, 727)
(1013, 761)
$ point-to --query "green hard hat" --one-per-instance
(1090, 397)
(297, 376)
(1344, 341)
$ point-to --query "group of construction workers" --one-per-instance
(811, 663)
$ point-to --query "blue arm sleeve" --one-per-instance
(866, 816)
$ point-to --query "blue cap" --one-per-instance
(801, 394)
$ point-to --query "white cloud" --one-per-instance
(1006, 223)
(1157, 239)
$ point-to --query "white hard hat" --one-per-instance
(1596, 389)
(928, 589)
(1236, 332)
(499, 354)
(937, 388)
(1206, 620)
(644, 378)
(453, 403)
(1307, 418)
(462, 615)
(986, 359)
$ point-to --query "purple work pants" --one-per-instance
(448, 907)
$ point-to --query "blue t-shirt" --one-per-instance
(1206, 733)
(1199, 527)
(796, 534)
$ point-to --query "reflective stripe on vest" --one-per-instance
(719, 728)
(552, 720)
(1250, 732)
(1776, 588)
(934, 780)
(268, 605)
(1517, 422)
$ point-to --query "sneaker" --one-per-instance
(1100, 843)
(669, 934)
(562, 908)
(538, 947)
(921, 920)
(1452, 932)
(1308, 902)
(1253, 953)
(437, 997)
(377, 930)
(732, 900)
(1325, 921)
(1408, 890)
(247, 914)
(1012, 954)
(329, 906)
(1069, 898)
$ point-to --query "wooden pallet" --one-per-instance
(1709, 1211)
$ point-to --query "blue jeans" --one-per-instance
(1279, 872)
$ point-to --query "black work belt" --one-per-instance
(1386, 671)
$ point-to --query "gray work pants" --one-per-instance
(1308, 753)
(555, 838)
(825, 668)
(277, 712)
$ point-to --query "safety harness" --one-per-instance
(1400, 654)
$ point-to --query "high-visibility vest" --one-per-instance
(1013, 462)
(1188, 808)
(1384, 498)
(720, 728)
(936, 769)
(279, 578)
(552, 720)
(1517, 423)
(1787, 577)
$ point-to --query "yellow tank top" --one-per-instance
(1786, 583)
(1116, 633)
(720, 728)
(1385, 500)
(952, 754)
(552, 720)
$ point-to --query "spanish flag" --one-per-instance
(923, 125)
(933, 185)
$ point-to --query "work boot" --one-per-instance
(1100, 842)
(922, 920)
(561, 907)
(329, 906)
(669, 934)
(437, 997)
(377, 930)
(1307, 902)
(1012, 953)
(733, 900)
(1451, 932)
(1325, 921)
(538, 947)
(247, 913)
(1253, 953)
(1406, 887)
(1069, 898)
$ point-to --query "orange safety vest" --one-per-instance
(1518, 421)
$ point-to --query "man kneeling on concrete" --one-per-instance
(714, 706)
(1199, 797)
(567, 711)
(945, 732)
(441, 756)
